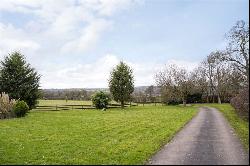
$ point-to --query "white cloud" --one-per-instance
(83, 75)
(88, 37)
(96, 74)
(67, 25)
(61, 28)
(15, 39)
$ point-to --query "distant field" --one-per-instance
(63, 102)
(57, 105)
(80, 102)
(116, 136)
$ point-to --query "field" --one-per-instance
(63, 102)
(115, 136)
(56, 105)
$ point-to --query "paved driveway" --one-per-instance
(206, 139)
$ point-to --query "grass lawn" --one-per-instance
(115, 136)
(240, 126)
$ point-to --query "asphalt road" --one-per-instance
(206, 140)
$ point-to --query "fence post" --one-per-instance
(56, 107)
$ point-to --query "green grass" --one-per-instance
(240, 126)
(116, 136)
(69, 102)
(62, 102)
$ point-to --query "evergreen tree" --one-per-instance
(121, 83)
(19, 79)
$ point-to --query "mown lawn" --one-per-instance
(240, 126)
(115, 136)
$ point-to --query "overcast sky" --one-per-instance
(75, 44)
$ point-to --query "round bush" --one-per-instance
(174, 102)
(21, 108)
(100, 100)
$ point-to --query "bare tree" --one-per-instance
(237, 50)
(200, 82)
(220, 75)
(175, 83)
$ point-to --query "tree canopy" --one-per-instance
(19, 79)
(121, 83)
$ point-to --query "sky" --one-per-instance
(76, 43)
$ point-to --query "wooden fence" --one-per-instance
(74, 107)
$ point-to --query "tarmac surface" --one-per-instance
(207, 139)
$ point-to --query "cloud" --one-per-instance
(15, 39)
(58, 31)
(81, 76)
(69, 26)
(88, 37)
(96, 74)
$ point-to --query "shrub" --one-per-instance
(174, 102)
(6, 106)
(194, 98)
(241, 103)
(100, 100)
(21, 108)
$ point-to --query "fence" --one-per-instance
(75, 107)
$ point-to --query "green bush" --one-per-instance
(21, 108)
(100, 100)
(174, 102)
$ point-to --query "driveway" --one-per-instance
(207, 139)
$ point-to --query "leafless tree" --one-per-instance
(200, 82)
(237, 50)
(222, 77)
(175, 83)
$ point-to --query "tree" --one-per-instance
(198, 76)
(237, 50)
(121, 83)
(100, 100)
(19, 79)
(175, 83)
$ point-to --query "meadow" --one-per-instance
(63, 102)
(115, 136)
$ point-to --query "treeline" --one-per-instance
(222, 76)
(218, 78)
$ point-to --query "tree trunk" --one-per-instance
(184, 103)
(219, 100)
(122, 104)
